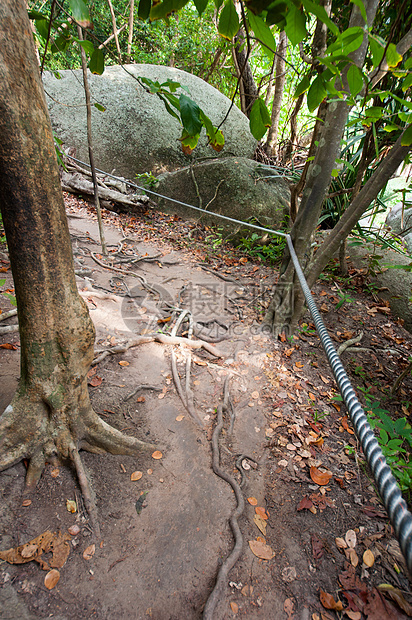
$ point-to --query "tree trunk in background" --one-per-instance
(269, 91)
(50, 415)
(271, 142)
(130, 26)
(247, 86)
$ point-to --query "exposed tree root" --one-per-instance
(233, 557)
(163, 339)
(30, 428)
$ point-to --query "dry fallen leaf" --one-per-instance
(136, 475)
(261, 550)
(95, 381)
(352, 556)
(26, 502)
(255, 395)
(396, 595)
(51, 579)
(88, 553)
(288, 607)
(320, 477)
(234, 607)
(368, 558)
(353, 615)
(71, 505)
(74, 529)
(157, 455)
(260, 524)
(55, 472)
(350, 538)
(124, 363)
(329, 602)
(33, 550)
(179, 418)
(261, 512)
(252, 501)
(340, 543)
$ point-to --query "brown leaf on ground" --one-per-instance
(89, 552)
(329, 602)
(317, 547)
(252, 501)
(288, 607)
(136, 475)
(345, 425)
(157, 455)
(305, 504)
(261, 512)
(48, 542)
(261, 550)
(260, 523)
(7, 345)
(321, 478)
(51, 579)
(397, 596)
(234, 607)
(95, 381)
(377, 608)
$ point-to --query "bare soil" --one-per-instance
(165, 535)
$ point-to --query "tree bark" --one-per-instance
(271, 142)
(130, 37)
(244, 73)
(50, 415)
(116, 40)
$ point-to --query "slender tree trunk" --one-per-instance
(285, 307)
(116, 39)
(293, 131)
(50, 415)
(271, 142)
(244, 72)
(269, 91)
(214, 64)
(130, 37)
(90, 144)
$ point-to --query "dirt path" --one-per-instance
(165, 535)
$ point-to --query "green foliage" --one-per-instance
(10, 297)
(259, 119)
(268, 248)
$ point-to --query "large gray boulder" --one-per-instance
(400, 221)
(136, 134)
(236, 187)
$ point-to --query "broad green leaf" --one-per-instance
(355, 80)
(259, 119)
(96, 64)
(100, 107)
(377, 51)
(316, 94)
(390, 128)
(80, 13)
(11, 298)
(406, 139)
(60, 44)
(276, 14)
(302, 87)
(408, 63)
(405, 102)
(86, 45)
(42, 27)
(228, 21)
(216, 137)
(143, 10)
(374, 112)
(406, 117)
(361, 7)
(295, 25)
(407, 82)
(263, 33)
(188, 141)
(37, 15)
(335, 173)
(165, 8)
(321, 14)
(190, 114)
(200, 5)
(168, 107)
(329, 64)
(392, 57)
(218, 4)
(173, 86)
(352, 39)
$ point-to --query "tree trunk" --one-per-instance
(130, 36)
(50, 415)
(286, 305)
(244, 73)
(271, 142)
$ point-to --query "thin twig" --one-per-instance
(86, 492)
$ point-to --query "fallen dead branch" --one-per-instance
(7, 315)
(8, 329)
(77, 183)
(348, 343)
(143, 386)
